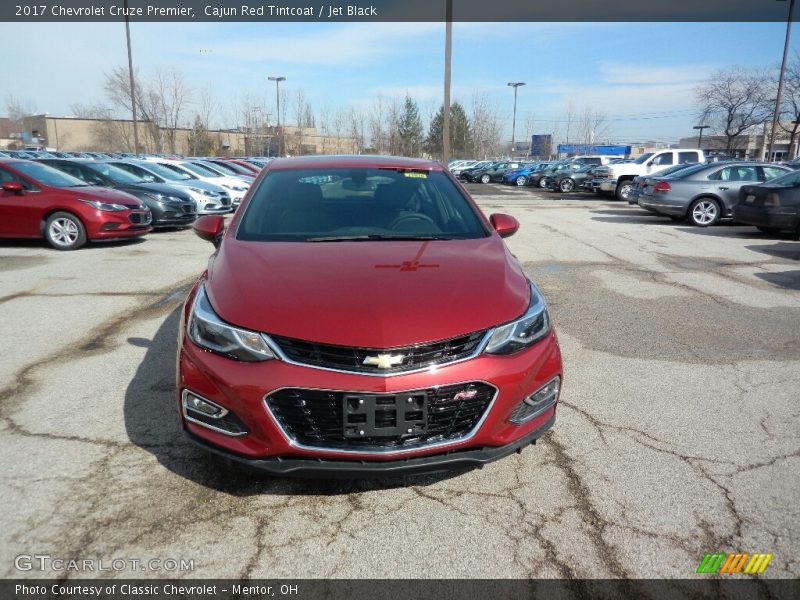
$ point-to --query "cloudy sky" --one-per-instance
(641, 75)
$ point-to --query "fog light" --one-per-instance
(538, 402)
(212, 416)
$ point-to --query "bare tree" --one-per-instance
(789, 120)
(734, 101)
(18, 108)
(207, 106)
(593, 126)
(485, 121)
(377, 124)
(356, 121)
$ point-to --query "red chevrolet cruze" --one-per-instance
(38, 201)
(362, 317)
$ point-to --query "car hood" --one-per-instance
(369, 294)
(91, 192)
(198, 183)
(156, 188)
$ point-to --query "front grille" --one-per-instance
(350, 358)
(315, 417)
(188, 208)
(139, 218)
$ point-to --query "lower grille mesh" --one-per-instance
(315, 417)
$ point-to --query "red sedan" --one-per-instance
(38, 201)
(362, 317)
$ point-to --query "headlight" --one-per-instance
(208, 331)
(529, 328)
(107, 206)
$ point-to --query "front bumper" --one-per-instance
(241, 388)
(606, 185)
(343, 469)
(759, 216)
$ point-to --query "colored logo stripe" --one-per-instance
(758, 563)
(719, 562)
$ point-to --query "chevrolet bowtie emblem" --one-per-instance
(384, 361)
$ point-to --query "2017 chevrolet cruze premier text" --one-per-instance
(359, 317)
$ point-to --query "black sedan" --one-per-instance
(171, 207)
(568, 180)
(772, 206)
(493, 173)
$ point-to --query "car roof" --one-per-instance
(354, 161)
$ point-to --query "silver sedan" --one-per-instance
(704, 193)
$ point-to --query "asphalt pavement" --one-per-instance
(678, 431)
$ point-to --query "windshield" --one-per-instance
(171, 172)
(642, 158)
(359, 204)
(115, 174)
(200, 170)
(48, 175)
(791, 178)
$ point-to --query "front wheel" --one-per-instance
(521, 180)
(485, 179)
(624, 190)
(542, 183)
(704, 212)
(566, 185)
(64, 231)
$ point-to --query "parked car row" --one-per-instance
(70, 201)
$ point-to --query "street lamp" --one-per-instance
(700, 139)
(515, 85)
(780, 81)
(132, 84)
(277, 81)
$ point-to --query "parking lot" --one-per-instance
(678, 431)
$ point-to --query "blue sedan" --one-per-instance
(520, 176)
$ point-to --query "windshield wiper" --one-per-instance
(377, 237)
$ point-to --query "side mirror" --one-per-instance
(210, 228)
(504, 225)
(13, 187)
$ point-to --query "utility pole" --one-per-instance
(130, 76)
(277, 81)
(780, 81)
(700, 139)
(515, 85)
(448, 47)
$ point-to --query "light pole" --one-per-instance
(700, 139)
(515, 85)
(448, 46)
(277, 81)
(130, 76)
(780, 81)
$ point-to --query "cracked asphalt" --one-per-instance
(678, 431)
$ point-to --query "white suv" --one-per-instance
(618, 178)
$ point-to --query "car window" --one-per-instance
(688, 157)
(48, 175)
(741, 173)
(83, 173)
(9, 176)
(115, 174)
(773, 172)
(298, 205)
(663, 159)
(790, 179)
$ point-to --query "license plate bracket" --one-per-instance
(372, 415)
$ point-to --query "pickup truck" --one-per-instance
(618, 179)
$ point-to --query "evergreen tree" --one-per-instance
(460, 132)
(410, 129)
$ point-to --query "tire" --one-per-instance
(521, 181)
(566, 185)
(771, 230)
(485, 178)
(624, 189)
(64, 231)
(542, 183)
(704, 212)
